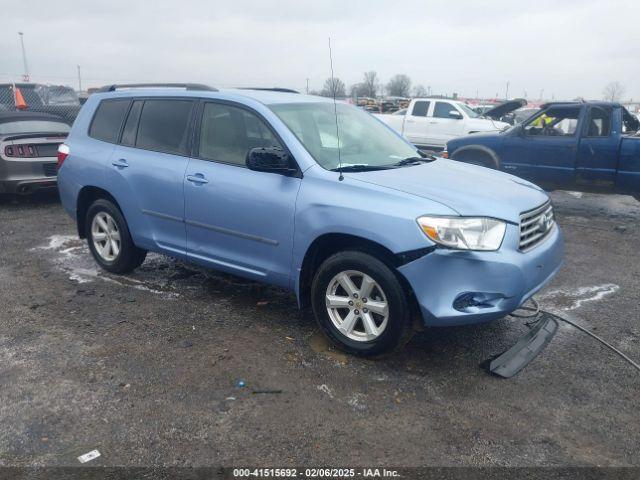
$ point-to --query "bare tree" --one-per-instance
(334, 87)
(370, 84)
(613, 91)
(420, 91)
(357, 90)
(399, 86)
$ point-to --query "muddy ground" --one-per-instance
(145, 368)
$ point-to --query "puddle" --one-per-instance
(319, 343)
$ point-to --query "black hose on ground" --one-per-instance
(536, 310)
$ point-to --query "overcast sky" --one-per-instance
(568, 48)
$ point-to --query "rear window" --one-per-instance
(420, 109)
(33, 126)
(164, 126)
(108, 120)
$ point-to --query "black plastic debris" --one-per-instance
(510, 362)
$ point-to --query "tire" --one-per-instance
(127, 257)
(357, 337)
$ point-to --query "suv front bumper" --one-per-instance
(457, 287)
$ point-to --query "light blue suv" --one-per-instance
(323, 200)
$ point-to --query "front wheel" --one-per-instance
(360, 304)
(109, 238)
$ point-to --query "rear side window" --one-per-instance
(164, 126)
(420, 109)
(108, 120)
(131, 125)
(599, 124)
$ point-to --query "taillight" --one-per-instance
(63, 153)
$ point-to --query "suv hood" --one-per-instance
(468, 189)
(501, 110)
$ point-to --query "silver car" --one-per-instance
(28, 150)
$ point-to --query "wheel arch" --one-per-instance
(86, 197)
(330, 243)
(479, 149)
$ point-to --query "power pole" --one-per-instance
(25, 75)
(506, 93)
(307, 86)
(79, 80)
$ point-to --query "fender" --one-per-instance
(481, 148)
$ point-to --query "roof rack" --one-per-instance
(270, 89)
(186, 86)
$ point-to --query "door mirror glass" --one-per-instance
(455, 115)
(270, 159)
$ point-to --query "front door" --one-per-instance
(238, 220)
(544, 149)
(446, 123)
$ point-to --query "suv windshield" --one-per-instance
(363, 139)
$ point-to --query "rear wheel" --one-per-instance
(109, 238)
(360, 304)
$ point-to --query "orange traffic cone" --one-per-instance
(20, 103)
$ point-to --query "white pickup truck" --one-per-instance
(432, 122)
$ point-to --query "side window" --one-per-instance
(599, 123)
(227, 134)
(164, 126)
(420, 109)
(131, 125)
(442, 109)
(108, 119)
(554, 122)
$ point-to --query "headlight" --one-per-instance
(464, 232)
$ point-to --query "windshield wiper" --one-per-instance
(414, 161)
(359, 168)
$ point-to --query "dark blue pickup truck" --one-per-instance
(591, 146)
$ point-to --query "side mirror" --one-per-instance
(270, 159)
(456, 115)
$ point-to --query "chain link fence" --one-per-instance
(59, 100)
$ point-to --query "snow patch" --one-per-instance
(572, 298)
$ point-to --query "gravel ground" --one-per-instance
(145, 367)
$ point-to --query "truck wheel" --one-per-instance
(477, 157)
(109, 238)
(360, 304)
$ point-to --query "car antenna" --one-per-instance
(335, 112)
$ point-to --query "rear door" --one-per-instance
(416, 124)
(146, 171)
(597, 158)
(238, 220)
(446, 123)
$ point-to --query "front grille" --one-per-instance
(49, 169)
(535, 226)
